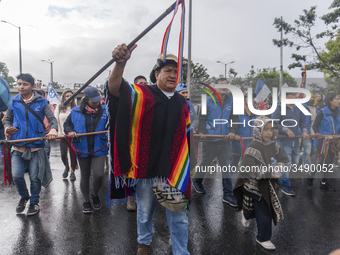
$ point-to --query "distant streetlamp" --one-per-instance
(225, 67)
(20, 61)
(51, 62)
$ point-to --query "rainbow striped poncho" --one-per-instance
(149, 136)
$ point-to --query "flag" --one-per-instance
(53, 97)
(283, 86)
(5, 95)
(262, 91)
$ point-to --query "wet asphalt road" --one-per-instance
(311, 225)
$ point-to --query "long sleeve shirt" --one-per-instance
(293, 119)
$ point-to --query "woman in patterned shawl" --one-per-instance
(254, 189)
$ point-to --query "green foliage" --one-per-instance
(325, 60)
(198, 74)
(4, 74)
(272, 78)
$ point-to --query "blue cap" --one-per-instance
(181, 86)
(92, 93)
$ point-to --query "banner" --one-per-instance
(53, 97)
(262, 91)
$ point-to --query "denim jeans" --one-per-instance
(48, 148)
(293, 154)
(177, 222)
(263, 220)
(222, 151)
(19, 165)
(308, 151)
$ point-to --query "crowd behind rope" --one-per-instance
(90, 115)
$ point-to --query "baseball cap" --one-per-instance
(181, 86)
(170, 59)
(92, 93)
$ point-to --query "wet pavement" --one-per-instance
(311, 225)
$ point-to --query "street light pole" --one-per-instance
(20, 61)
(225, 67)
(51, 62)
(189, 51)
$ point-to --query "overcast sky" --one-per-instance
(79, 35)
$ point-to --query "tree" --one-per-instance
(243, 83)
(198, 74)
(272, 78)
(268, 75)
(4, 74)
(303, 30)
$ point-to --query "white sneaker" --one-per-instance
(268, 245)
(245, 222)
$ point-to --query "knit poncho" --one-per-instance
(149, 138)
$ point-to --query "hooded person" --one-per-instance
(254, 190)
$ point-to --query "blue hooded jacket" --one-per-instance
(291, 114)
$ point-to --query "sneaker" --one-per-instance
(268, 245)
(287, 190)
(96, 202)
(131, 205)
(245, 222)
(198, 187)
(72, 177)
(229, 199)
(65, 173)
(326, 186)
(22, 205)
(33, 209)
(143, 249)
(87, 207)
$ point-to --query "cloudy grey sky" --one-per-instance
(79, 35)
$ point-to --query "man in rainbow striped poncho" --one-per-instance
(149, 147)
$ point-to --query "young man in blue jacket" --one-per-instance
(219, 148)
(24, 119)
(295, 119)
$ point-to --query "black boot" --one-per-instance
(326, 186)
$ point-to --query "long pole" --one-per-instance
(58, 137)
(281, 60)
(225, 71)
(52, 74)
(152, 25)
(189, 51)
(20, 61)
(281, 136)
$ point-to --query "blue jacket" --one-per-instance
(216, 112)
(79, 126)
(308, 121)
(326, 126)
(243, 131)
(294, 114)
(28, 125)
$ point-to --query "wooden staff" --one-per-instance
(151, 26)
(281, 136)
(43, 138)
